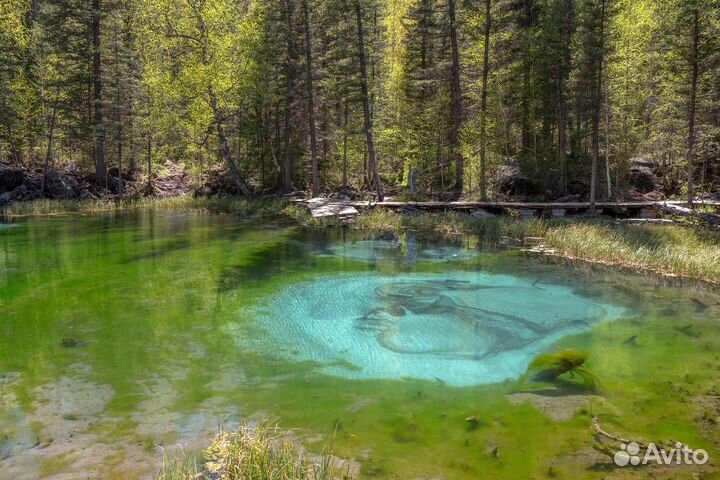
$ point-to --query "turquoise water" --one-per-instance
(466, 328)
(126, 335)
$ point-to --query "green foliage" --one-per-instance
(163, 62)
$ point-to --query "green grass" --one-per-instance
(668, 250)
(674, 250)
(258, 452)
(454, 223)
(186, 202)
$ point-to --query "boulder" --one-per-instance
(480, 213)
(568, 199)
(512, 181)
(86, 194)
(20, 193)
(578, 188)
(61, 187)
(642, 176)
(204, 192)
(10, 179)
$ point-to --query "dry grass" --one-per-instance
(679, 250)
(186, 202)
(257, 452)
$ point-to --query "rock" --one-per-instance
(560, 408)
(5, 199)
(20, 192)
(648, 213)
(642, 176)
(480, 213)
(513, 181)
(204, 192)
(61, 187)
(70, 342)
(578, 188)
(388, 237)
(527, 213)
(10, 179)
(569, 199)
(86, 194)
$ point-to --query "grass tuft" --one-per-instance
(257, 452)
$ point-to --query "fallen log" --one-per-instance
(710, 218)
(643, 221)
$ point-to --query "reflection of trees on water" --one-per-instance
(434, 317)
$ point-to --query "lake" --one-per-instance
(126, 334)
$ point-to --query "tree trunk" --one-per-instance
(290, 74)
(51, 132)
(99, 129)
(567, 26)
(311, 103)
(345, 146)
(372, 163)
(483, 104)
(692, 106)
(118, 113)
(13, 147)
(596, 106)
(225, 148)
(149, 165)
(456, 101)
(608, 178)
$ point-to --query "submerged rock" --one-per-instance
(70, 342)
(558, 407)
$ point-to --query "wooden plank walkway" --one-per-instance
(524, 205)
(322, 207)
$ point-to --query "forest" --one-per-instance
(538, 98)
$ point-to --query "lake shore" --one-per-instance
(680, 249)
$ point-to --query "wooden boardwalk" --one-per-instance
(322, 207)
(523, 205)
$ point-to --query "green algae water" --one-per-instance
(123, 335)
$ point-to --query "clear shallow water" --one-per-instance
(464, 328)
(121, 333)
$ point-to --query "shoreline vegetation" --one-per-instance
(680, 249)
(259, 451)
